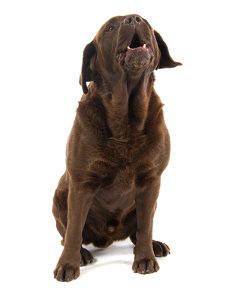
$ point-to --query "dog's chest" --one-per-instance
(117, 188)
(118, 167)
(125, 152)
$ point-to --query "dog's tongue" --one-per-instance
(137, 57)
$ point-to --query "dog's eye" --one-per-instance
(110, 28)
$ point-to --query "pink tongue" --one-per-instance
(137, 57)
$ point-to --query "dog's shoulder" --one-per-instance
(92, 115)
(90, 107)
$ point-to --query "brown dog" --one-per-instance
(117, 150)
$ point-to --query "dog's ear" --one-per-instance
(166, 60)
(89, 54)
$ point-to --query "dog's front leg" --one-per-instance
(146, 200)
(79, 201)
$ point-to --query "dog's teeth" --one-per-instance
(144, 46)
(128, 48)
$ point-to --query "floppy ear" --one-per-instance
(166, 60)
(86, 71)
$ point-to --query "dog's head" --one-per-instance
(124, 44)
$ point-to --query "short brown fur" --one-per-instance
(117, 150)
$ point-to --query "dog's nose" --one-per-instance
(132, 20)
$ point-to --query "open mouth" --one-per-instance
(136, 43)
(136, 54)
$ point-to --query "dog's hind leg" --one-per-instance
(160, 249)
(60, 206)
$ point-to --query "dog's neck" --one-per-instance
(126, 104)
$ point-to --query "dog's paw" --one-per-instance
(145, 265)
(160, 249)
(66, 272)
(86, 257)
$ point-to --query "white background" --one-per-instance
(40, 60)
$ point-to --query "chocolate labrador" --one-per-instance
(117, 150)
